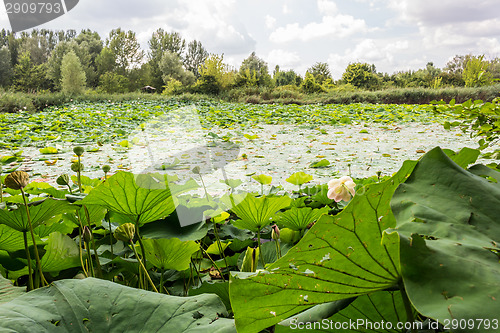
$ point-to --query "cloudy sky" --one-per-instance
(392, 34)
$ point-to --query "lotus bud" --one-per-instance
(106, 168)
(77, 166)
(275, 234)
(17, 180)
(196, 170)
(87, 234)
(78, 150)
(125, 232)
(63, 180)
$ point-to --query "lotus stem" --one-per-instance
(219, 245)
(28, 256)
(37, 257)
(408, 307)
(98, 263)
(79, 174)
(260, 252)
(213, 263)
(139, 238)
(143, 267)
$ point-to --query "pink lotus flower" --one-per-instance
(341, 189)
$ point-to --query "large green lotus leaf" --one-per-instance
(7, 290)
(170, 253)
(299, 218)
(96, 214)
(255, 213)
(94, 305)
(61, 252)
(39, 213)
(360, 315)
(142, 195)
(340, 257)
(454, 272)
(11, 239)
(219, 288)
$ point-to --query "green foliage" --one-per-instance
(6, 71)
(173, 87)
(29, 77)
(195, 57)
(113, 83)
(254, 72)
(171, 68)
(447, 219)
(321, 72)
(285, 78)
(340, 257)
(73, 77)
(476, 72)
(170, 253)
(361, 75)
(83, 305)
(125, 49)
(309, 85)
(214, 75)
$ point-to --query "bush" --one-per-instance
(13, 102)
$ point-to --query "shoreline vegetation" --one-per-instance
(15, 101)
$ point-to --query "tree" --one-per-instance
(160, 43)
(310, 86)
(321, 72)
(214, 75)
(254, 71)
(105, 61)
(361, 75)
(6, 71)
(72, 75)
(476, 72)
(125, 48)
(195, 57)
(29, 77)
(283, 78)
(171, 68)
(113, 83)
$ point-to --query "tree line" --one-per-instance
(47, 60)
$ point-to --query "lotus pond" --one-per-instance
(217, 217)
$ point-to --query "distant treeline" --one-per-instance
(75, 64)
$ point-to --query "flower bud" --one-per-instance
(275, 234)
(77, 166)
(78, 150)
(106, 168)
(63, 180)
(125, 232)
(87, 234)
(17, 180)
(196, 170)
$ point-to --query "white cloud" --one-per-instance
(212, 23)
(339, 26)
(327, 7)
(286, 10)
(270, 21)
(371, 51)
(285, 59)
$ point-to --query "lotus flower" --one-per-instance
(341, 189)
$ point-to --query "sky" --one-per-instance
(395, 35)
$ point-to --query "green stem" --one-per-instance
(204, 187)
(139, 238)
(1, 190)
(219, 245)
(213, 263)
(80, 244)
(161, 280)
(408, 307)
(278, 249)
(260, 252)
(79, 175)
(28, 256)
(98, 263)
(91, 264)
(143, 268)
(37, 257)
(197, 272)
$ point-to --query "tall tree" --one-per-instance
(476, 72)
(171, 67)
(6, 71)
(361, 75)
(125, 48)
(320, 71)
(161, 42)
(195, 57)
(29, 77)
(72, 74)
(254, 71)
